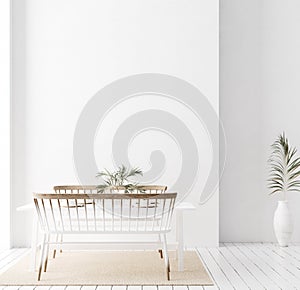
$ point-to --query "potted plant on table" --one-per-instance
(284, 177)
(112, 181)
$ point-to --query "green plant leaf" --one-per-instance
(284, 166)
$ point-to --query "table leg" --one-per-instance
(179, 234)
(34, 243)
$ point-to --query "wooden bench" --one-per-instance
(112, 213)
(88, 189)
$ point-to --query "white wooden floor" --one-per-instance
(232, 266)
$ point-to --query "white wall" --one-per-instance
(20, 223)
(280, 85)
(259, 88)
(259, 98)
(68, 50)
(5, 123)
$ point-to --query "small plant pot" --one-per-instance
(283, 223)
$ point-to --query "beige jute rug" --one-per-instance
(109, 268)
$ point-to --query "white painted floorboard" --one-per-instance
(43, 288)
(134, 288)
(267, 268)
(104, 287)
(58, 287)
(283, 270)
(87, 288)
(165, 288)
(241, 269)
(149, 287)
(237, 266)
(214, 269)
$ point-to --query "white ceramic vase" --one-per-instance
(283, 223)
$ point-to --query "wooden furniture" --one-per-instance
(88, 189)
(119, 213)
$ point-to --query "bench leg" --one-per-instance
(160, 250)
(61, 241)
(166, 256)
(47, 253)
(54, 251)
(161, 253)
(42, 258)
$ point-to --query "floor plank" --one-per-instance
(58, 287)
(287, 253)
(12, 258)
(104, 287)
(293, 250)
(262, 277)
(89, 287)
(180, 287)
(150, 287)
(119, 287)
(241, 268)
(216, 272)
(134, 287)
(281, 257)
(232, 275)
(268, 269)
(283, 270)
(6, 253)
(165, 288)
(42, 287)
(73, 287)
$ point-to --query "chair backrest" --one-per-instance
(152, 189)
(88, 189)
(75, 189)
(99, 213)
